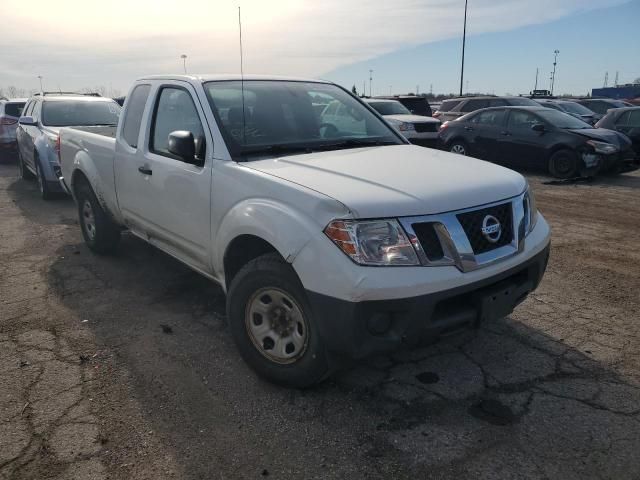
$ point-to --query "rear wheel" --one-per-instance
(272, 324)
(459, 147)
(100, 233)
(563, 164)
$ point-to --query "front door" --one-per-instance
(520, 145)
(166, 199)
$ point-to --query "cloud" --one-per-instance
(79, 43)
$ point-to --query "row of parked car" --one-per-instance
(565, 138)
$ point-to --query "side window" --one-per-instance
(520, 120)
(498, 102)
(473, 105)
(630, 119)
(133, 118)
(175, 110)
(35, 111)
(491, 117)
(29, 109)
(598, 107)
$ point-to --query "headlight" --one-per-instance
(530, 211)
(402, 126)
(602, 147)
(373, 242)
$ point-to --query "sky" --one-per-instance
(82, 43)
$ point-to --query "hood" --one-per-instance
(412, 118)
(602, 135)
(397, 180)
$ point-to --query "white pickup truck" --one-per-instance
(328, 243)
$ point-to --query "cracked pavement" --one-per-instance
(122, 367)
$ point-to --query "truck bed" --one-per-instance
(104, 130)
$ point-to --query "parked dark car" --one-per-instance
(624, 120)
(572, 108)
(415, 104)
(471, 104)
(601, 105)
(537, 137)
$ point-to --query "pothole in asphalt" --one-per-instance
(428, 377)
(492, 411)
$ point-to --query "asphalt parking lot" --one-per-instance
(122, 367)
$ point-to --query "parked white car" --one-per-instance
(329, 243)
(416, 128)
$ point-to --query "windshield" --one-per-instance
(562, 120)
(576, 108)
(390, 108)
(447, 105)
(282, 116)
(77, 113)
(522, 102)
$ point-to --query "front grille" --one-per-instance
(426, 127)
(429, 240)
(472, 224)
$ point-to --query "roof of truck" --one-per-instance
(217, 77)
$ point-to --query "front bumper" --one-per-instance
(359, 329)
(625, 160)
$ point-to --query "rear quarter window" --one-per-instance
(133, 114)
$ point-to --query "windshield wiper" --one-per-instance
(354, 143)
(274, 149)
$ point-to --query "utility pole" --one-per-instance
(40, 78)
(370, 80)
(364, 88)
(553, 75)
(464, 40)
(535, 87)
(606, 80)
(184, 62)
(615, 82)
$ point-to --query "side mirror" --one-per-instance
(538, 127)
(183, 145)
(27, 121)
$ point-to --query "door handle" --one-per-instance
(504, 132)
(469, 129)
(145, 170)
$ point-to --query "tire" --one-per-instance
(100, 233)
(459, 147)
(43, 187)
(563, 164)
(25, 174)
(288, 350)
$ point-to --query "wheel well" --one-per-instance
(78, 178)
(242, 250)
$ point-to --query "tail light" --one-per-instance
(436, 114)
(8, 121)
(444, 126)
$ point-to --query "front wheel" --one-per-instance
(100, 233)
(563, 164)
(43, 187)
(272, 324)
(25, 174)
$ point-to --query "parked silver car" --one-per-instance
(10, 111)
(37, 134)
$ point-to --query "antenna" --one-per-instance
(241, 77)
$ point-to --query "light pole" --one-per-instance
(464, 40)
(370, 80)
(40, 78)
(553, 74)
(184, 62)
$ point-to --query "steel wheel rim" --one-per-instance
(276, 325)
(459, 149)
(88, 220)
